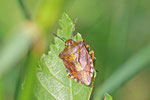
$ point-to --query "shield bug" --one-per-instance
(78, 60)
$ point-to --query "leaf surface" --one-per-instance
(52, 82)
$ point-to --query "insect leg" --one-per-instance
(92, 52)
(88, 46)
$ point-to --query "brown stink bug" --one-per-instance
(78, 61)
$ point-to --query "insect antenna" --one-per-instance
(73, 27)
(58, 37)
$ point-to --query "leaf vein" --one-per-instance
(56, 78)
(45, 88)
(78, 91)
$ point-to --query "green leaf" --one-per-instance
(52, 82)
(107, 97)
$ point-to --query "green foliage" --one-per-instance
(107, 97)
(115, 31)
(13, 49)
(52, 82)
(125, 72)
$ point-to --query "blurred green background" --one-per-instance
(115, 29)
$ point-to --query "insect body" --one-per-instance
(78, 61)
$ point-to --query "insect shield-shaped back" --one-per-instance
(77, 61)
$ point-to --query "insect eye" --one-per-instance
(67, 44)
